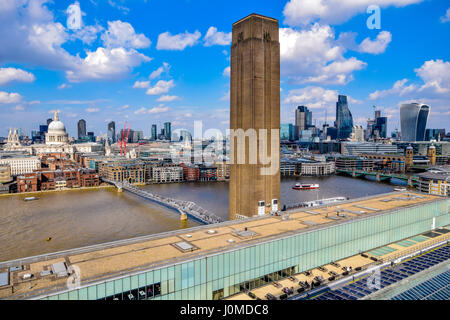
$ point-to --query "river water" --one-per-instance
(86, 217)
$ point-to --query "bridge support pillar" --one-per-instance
(183, 217)
(354, 174)
(378, 177)
(410, 182)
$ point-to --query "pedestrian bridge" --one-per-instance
(191, 209)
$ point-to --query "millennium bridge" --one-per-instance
(380, 176)
(188, 208)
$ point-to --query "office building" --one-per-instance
(254, 105)
(112, 131)
(81, 129)
(287, 132)
(303, 118)
(154, 133)
(357, 148)
(344, 118)
(413, 121)
(168, 131)
(434, 134)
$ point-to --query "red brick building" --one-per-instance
(28, 182)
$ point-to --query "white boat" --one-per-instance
(30, 199)
(322, 202)
(304, 186)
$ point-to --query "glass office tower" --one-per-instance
(154, 132)
(413, 121)
(344, 118)
(81, 129)
(168, 131)
(112, 131)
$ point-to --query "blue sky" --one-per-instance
(154, 61)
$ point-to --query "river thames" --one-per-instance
(79, 218)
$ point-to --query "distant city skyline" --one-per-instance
(177, 70)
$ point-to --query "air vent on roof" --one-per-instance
(230, 240)
(188, 236)
(309, 223)
(60, 269)
(244, 233)
(185, 246)
(211, 231)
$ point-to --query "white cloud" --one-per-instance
(378, 45)
(226, 96)
(446, 18)
(8, 75)
(435, 75)
(303, 12)
(122, 34)
(124, 107)
(87, 34)
(92, 110)
(141, 111)
(141, 84)
(29, 34)
(159, 109)
(105, 64)
(168, 98)
(7, 98)
(157, 73)
(400, 88)
(226, 72)
(64, 86)
(180, 41)
(214, 37)
(314, 56)
(161, 87)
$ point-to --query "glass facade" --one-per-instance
(287, 131)
(381, 126)
(226, 273)
(344, 118)
(413, 121)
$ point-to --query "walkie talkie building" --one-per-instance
(413, 118)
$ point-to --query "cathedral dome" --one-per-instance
(56, 134)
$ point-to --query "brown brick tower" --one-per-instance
(255, 104)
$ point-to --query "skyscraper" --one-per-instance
(112, 131)
(168, 130)
(344, 119)
(254, 105)
(81, 129)
(154, 133)
(413, 121)
(303, 118)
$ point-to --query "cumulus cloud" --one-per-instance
(160, 87)
(141, 84)
(226, 72)
(122, 34)
(180, 41)
(7, 98)
(303, 12)
(378, 45)
(400, 88)
(8, 75)
(214, 37)
(159, 109)
(435, 75)
(313, 55)
(105, 64)
(446, 17)
(29, 34)
(157, 73)
(168, 98)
